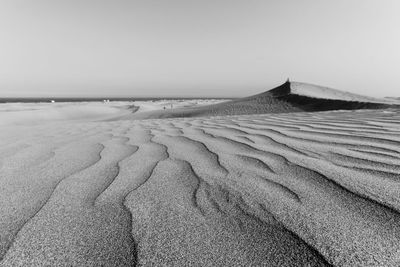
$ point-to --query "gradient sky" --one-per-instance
(223, 48)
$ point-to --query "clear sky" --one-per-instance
(196, 48)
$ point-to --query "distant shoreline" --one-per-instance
(97, 99)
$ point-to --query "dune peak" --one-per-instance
(285, 98)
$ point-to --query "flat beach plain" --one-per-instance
(291, 189)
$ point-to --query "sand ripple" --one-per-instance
(303, 189)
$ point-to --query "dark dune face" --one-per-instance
(281, 99)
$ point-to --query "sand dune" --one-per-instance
(293, 189)
(288, 97)
(38, 113)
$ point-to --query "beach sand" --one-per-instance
(290, 189)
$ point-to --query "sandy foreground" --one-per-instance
(299, 189)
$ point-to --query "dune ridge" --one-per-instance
(291, 189)
(286, 98)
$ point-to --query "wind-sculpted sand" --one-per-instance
(286, 98)
(299, 189)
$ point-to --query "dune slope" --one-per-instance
(288, 97)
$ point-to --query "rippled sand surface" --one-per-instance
(300, 189)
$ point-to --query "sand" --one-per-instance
(286, 98)
(290, 189)
(34, 113)
(316, 91)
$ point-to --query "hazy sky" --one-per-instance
(196, 48)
